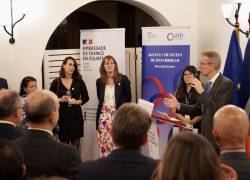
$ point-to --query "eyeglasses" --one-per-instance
(203, 63)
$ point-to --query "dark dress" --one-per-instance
(191, 99)
(70, 117)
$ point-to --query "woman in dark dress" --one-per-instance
(113, 89)
(72, 93)
(185, 93)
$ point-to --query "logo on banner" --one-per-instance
(151, 35)
(175, 36)
(87, 41)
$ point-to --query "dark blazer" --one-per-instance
(45, 156)
(10, 132)
(220, 95)
(3, 83)
(122, 94)
(239, 161)
(120, 164)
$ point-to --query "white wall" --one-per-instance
(209, 29)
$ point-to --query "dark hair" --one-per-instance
(130, 125)
(117, 76)
(189, 156)
(24, 84)
(76, 74)
(182, 88)
(9, 102)
(11, 161)
(39, 105)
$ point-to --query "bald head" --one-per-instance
(231, 126)
(39, 106)
(9, 103)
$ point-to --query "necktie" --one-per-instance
(209, 86)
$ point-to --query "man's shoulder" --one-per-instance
(43, 141)
(10, 132)
(234, 157)
(226, 79)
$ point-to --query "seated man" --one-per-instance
(129, 131)
(11, 161)
(10, 114)
(42, 154)
(230, 131)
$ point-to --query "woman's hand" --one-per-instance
(64, 99)
(75, 102)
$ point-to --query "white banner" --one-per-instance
(94, 45)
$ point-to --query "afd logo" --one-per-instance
(87, 41)
(175, 36)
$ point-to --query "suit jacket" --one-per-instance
(3, 83)
(122, 164)
(45, 156)
(122, 94)
(220, 95)
(10, 132)
(239, 161)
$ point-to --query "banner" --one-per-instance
(94, 45)
(165, 52)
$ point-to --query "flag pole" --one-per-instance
(237, 24)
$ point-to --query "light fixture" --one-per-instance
(226, 10)
(11, 33)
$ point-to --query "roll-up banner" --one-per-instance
(94, 45)
(165, 52)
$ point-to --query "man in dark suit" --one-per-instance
(10, 114)
(129, 131)
(43, 155)
(3, 84)
(230, 132)
(217, 93)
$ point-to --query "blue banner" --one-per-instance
(165, 53)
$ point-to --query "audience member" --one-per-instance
(129, 131)
(217, 93)
(3, 84)
(190, 157)
(113, 89)
(43, 155)
(11, 162)
(27, 86)
(230, 132)
(10, 114)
